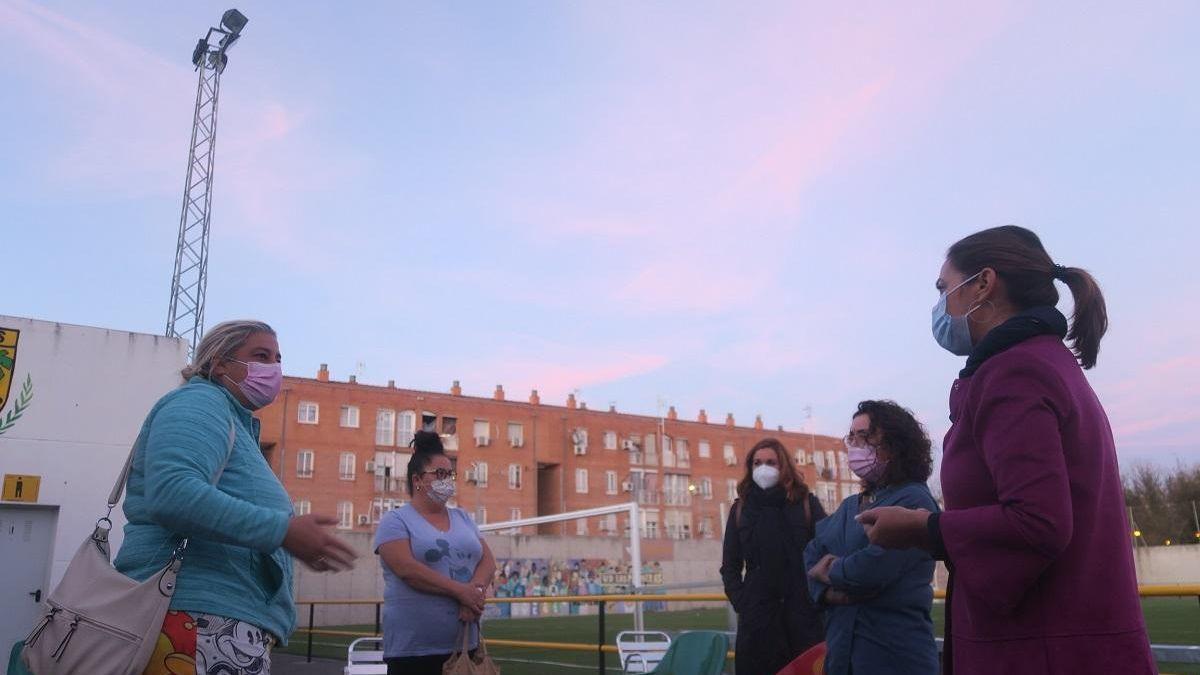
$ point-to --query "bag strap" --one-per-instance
(114, 496)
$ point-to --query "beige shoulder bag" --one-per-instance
(97, 620)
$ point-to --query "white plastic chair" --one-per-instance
(640, 651)
(365, 661)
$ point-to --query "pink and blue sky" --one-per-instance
(731, 206)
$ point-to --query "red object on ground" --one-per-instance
(811, 662)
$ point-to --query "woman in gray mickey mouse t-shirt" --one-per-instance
(436, 568)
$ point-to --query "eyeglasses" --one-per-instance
(859, 436)
(442, 474)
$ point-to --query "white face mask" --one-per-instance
(765, 476)
(442, 490)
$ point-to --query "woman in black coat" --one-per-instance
(768, 528)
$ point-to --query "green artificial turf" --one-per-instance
(1170, 621)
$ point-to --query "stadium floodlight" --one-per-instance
(234, 21)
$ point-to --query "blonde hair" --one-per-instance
(219, 342)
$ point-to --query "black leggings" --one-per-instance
(418, 665)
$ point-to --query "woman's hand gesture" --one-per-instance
(309, 539)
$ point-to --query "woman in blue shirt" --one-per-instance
(436, 568)
(198, 473)
(878, 600)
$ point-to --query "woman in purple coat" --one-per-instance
(1034, 531)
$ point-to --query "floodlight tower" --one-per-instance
(185, 317)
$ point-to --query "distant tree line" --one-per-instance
(1164, 504)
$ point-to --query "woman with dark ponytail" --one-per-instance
(436, 568)
(1034, 531)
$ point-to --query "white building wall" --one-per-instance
(92, 388)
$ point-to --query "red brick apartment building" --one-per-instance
(342, 448)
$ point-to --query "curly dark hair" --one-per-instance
(903, 437)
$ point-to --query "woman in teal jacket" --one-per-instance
(198, 473)
(878, 600)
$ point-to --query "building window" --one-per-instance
(302, 507)
(633, 445)
(608, 525)
(610, 440)
(610, 482)
(579, 441)
(478, 474)
(728, 453)
(650, 524)
(644, 485)
(651, 456)
(380, 506)
(801, 457)
(668, 452)
(581, 528)
(450, 433)
(706, 488)
(479, 516)
(390, 471)
(346, 466)
(307, 412)
(345, 511)
(483, 433)
(581, 481)
(406, 427)
(516, 434)
(385, 427)
(514, 476)
(675, 490)
(830, 462)
(731, 489)
(831, 498)
(706, 527)
(304, 464)
(349, 417)
(514, 514)
(703, 450)
(682, 457)
(679, 524)
(428, 422)
(843, 465)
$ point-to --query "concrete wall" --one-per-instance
(681, 562)
(1168, 564)
(1155, 565)
(92, 388)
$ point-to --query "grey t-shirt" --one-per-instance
(417, 623)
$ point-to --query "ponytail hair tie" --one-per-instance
(1059, 273)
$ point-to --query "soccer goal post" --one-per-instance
(635, 540)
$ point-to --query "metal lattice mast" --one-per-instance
(185, 316)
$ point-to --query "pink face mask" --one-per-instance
(865, 463)
(262, 382)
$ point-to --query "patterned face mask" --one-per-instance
(442, 490)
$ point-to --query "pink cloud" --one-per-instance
(555, 377)
(685, 173)
(1158, 397)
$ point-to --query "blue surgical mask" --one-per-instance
(952, 332)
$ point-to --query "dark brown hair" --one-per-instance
(903, 437)
(1018, 257)
(789, 478)
(426, 444)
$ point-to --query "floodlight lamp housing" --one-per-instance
(233, 21)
